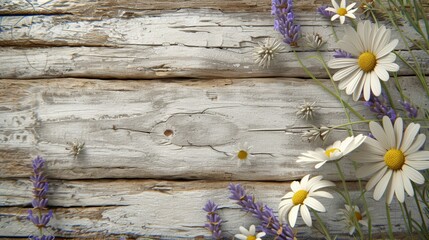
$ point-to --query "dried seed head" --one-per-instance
(314, 41)
(307, 110)
(315, 133)
(265, 52)
(75, 148)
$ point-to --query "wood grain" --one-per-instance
(123, 124)
(137, 208)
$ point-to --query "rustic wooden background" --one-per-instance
(117, 74)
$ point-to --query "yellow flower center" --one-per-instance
(299, 197)
(251, 237)
(242, 155)
(394, 159)
(328, 152)
(367, 61)
(358, 216)
(342, 11)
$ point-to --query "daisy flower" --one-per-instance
(302, 197)
(350, 215)
(342, 11)
(249, 234)
(393, 159)
(332, 153)
(371, 50)
(242, 154)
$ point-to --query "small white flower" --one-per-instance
(371, 49)
(332, 153)
(314, 41)
(249, 234)
(242, 154)
(342, 11)
(306, 110)
(393, 158)
(266, 52)
(352, 214)
(302, 197)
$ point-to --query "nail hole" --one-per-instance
(168, 132)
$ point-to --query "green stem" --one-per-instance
(389, 221)
(337, 90)
(327, 89)
(365, 204)
(406, 216)
(348, 198)
(324, 231)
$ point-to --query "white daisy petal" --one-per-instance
(388, 129)
(379, 134)
(387, 49)
(346, 72)
(366, 87)
(407, 184)
(335, 17)
(342, 19)
(389, 58)
(375, 179)
(418, 156)
(243, 230)
(240, 236)
(313, 203)
(369, 169)
(409, 135)
(306, 215)
(375, 84)
(295, 186)
(398, 184)
(381, 73)
(413, 174)
(418, 143)
(321, 194)
(335, 4)
(382, 185)
(418, 165)
(374, 146)
(343, 4)
(390, 67)
(293, 215)
(399, 128)
(390, 192)
(342, 62)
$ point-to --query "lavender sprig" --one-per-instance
(269, 222)
(40, 201)
(411, 110)
(342, 54)
(381, 106)
(322, 11)
(284, 21)
(213, 219)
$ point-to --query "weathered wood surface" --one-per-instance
(157, 209)
(131, 175)
(124, 123)
(185, 43)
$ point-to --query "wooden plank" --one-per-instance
(123, 124)
(124, 8)
(138, 208)
(193, 28)
(135, 62)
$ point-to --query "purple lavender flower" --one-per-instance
(214, 220)
(283, 23)
(269, 222)
(411, 110)
(342, 54)
(40, 201)
(42, 237)
(381, 106)
(41, 221)
(322, 11)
